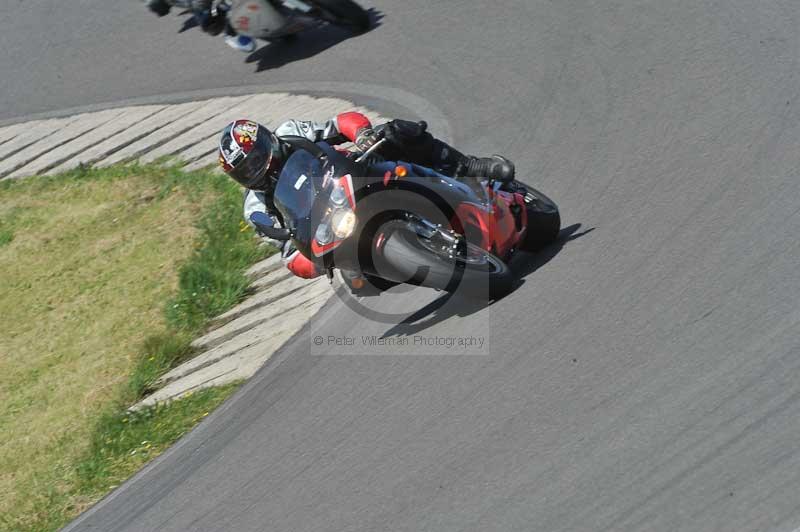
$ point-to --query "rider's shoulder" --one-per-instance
(293, 128)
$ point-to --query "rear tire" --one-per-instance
(544, 220)
(345, 13)
(415, 264)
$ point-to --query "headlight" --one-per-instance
(324, 234)
(338, 196)
(343, 223)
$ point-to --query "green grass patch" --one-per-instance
(6, 236)
(120, 445)
(212, 281)
(120, 435)
(89, 259)
(160, 353)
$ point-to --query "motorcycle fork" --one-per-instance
(446, 240)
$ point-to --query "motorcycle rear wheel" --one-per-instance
(344, 13)
(544, 220)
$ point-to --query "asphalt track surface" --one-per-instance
(645, 374)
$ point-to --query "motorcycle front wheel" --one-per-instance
(344, 13)
(410, 258)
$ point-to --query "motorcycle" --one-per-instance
(405, 223)
(273, 20)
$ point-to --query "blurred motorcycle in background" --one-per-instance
(270, 20)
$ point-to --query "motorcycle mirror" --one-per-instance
(275, 233)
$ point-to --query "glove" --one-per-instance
(403, 132)
(408, 141)
(366, 138)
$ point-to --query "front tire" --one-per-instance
(409, 261)
(344, 13)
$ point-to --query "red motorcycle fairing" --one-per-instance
(495, 229)
(301, 266)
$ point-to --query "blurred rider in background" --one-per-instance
(211, 20)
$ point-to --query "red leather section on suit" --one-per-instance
(350, 123)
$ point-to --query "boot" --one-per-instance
(495, 167)
(242, 43)
(159, 7)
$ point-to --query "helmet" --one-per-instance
(250, 154)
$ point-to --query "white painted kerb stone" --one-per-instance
(188, 132)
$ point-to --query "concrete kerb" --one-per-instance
(283, 297)
(186, 131)
(266, 266)
(241, 361)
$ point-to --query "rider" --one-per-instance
(253, 156)
(211, 21)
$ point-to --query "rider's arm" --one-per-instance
(341, 128)
(210, 21)
(201, 5)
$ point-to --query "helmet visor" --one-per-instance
(253, 170)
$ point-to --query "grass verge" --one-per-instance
(88, 259)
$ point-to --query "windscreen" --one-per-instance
(298, 186)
